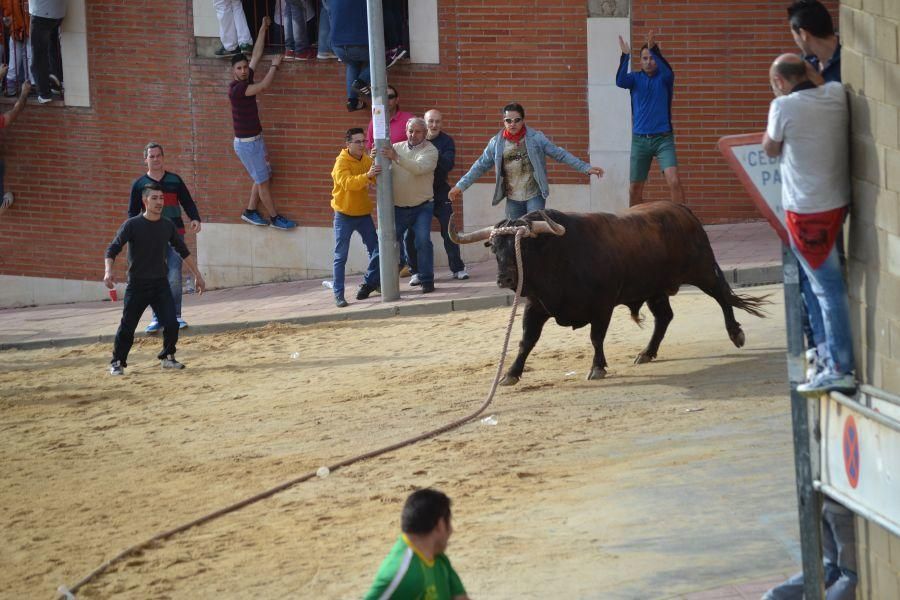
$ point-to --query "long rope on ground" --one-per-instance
(69, 593)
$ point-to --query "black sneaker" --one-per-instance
(427, 287)
(340, 302)
(361, 87)
(223, 53)
(55, 85)
(392, 56)
(169, 362)
(246, 48)
(365, 290)
(354, 104)
(116, 368)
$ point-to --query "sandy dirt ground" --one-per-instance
(663, 479)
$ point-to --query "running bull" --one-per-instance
(579, 267)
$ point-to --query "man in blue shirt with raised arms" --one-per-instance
(651, 111)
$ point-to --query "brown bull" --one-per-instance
(579, 267)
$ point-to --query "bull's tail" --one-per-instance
(745, 302)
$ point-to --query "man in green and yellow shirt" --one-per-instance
(417, 568)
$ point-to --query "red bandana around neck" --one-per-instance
(514, 137)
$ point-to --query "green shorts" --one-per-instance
(644, 148)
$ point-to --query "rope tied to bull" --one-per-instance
(68, 593)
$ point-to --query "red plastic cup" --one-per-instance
(113, 294)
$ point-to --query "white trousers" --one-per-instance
(19, 62)
(233, 28)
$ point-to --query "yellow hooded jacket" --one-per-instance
(350, 195)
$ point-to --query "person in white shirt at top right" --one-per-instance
(808, 127)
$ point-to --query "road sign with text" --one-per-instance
(760, 174)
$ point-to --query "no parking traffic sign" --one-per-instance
(760, 174)
(860, 454)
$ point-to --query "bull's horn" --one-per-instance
(548, 225)
(469, 238)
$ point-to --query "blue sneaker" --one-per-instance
(254, 218)
(153, 327)
(279, 222)
(182, 324)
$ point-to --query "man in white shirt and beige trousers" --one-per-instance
(412, 170)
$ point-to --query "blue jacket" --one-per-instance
(349, 23)
(651, 97)
(538, 146)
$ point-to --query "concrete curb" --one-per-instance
(377, 312)
(742, 277)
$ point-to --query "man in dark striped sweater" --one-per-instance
(177, 197)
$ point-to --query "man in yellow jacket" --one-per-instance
(353, 171)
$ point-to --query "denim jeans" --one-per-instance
(296, 37)
(443, 212)
(516, 209)
(324, 28)
(827, 284)
(174, 262)
(418, 219)
(356, 60)
(344, 226)
(839, 554)
(139, 295)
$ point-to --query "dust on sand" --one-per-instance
(613, 488)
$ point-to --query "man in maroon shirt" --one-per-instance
(248, 138)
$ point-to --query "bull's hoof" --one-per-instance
(738, 338)
(643, 357)
(509, 380)
(596, 373)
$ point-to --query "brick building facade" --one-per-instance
(71, 166)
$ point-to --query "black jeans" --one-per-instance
(45, 48)
(443, 212)
(140, 294)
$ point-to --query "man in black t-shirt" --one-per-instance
(148, 236)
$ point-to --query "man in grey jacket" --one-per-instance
(46, 15)
(518, 156)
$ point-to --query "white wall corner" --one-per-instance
(205, 22)
(73, 41)
(424, 45)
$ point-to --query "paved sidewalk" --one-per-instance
(749, 254)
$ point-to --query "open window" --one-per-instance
(412, 25)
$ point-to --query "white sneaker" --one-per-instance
(116, 368)
(461, 275)
(414, 280)
(828, 381)
(812, 363)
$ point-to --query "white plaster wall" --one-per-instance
(423, 32)
(231, 255)
(205, 22)
(609, 114)
(29, 291)
(73, 41)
